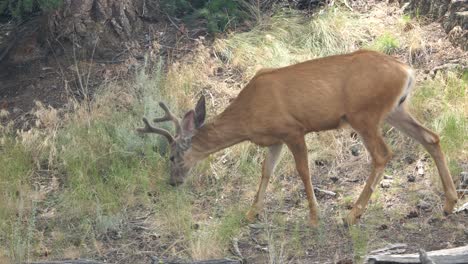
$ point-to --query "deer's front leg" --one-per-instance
(269, 164)
(299, 150)
(380, 154)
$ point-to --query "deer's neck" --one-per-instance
(224, 131)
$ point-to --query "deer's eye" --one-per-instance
(171, 158)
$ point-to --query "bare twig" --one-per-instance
(173, 23)
(325, 191)
(235, 248)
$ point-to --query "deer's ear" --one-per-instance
(188, 123)
(200, 112)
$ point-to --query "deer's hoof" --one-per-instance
(448, 207)
(350, 219)
(251, 216)
(313, 223)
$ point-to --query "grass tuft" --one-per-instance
(288, 38)
(386, 43)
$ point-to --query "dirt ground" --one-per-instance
(406, 212)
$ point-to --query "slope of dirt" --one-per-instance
(32, 69)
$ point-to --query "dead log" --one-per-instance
(74, 261)
(424, 258)
(457, 255)
(390, 249)
(156, 260)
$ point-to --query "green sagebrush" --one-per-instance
(217, 14)
(23, 8)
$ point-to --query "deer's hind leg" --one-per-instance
(368, 129)
(403, 121)
(268, 168)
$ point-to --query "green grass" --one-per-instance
(360, 239)
(230, 224)
(288, 38)
(441, 103)
(17, 209)
(386, 43)
(103, 165)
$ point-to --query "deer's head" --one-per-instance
(181, 142)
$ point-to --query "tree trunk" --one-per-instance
(102, 27)
(453, 16)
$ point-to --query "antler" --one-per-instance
(169, 117)
(150, 129)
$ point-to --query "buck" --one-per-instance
(280, 106)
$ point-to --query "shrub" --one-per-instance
(217, 14)
(387, 43)
(22, 8)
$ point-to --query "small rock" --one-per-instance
(386, 184)
(115, 234)
(388, 177)
(423, 205)
(355, 151)
(334, 179)
(464, 179)
(411, 178)
(409, 160)
(155, 236)
(420, 167)
(412, 214)
(383, 227)
(260, 248)
(345, 261)
(319, 163)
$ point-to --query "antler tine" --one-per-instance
(169, 116)
(150, 129)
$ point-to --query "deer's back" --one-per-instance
(318, 94)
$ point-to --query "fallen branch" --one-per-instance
(235, 248)
(444, 256)
(446, 66)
